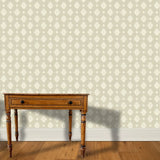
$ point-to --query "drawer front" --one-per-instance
(25, 101)
(28, 102)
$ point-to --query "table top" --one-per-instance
(52, 94)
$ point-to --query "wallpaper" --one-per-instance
(106, 48)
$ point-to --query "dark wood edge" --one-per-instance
(9, 145)
(48, 94)
(83, 146)
(58, 108)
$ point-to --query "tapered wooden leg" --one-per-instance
(70, 125)
(8, 120)
(16, 123)
(83, 130)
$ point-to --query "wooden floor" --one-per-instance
(71, 151)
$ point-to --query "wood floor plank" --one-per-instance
(150, 155)
(71, 151)
(127, 146)
(139, 156)
(156, 145)
(17, 146)
(4, 153)
(100, 147)
(95, 150)
(101, 150)
(28, 151)
(3, 146)
(130, 156)
(145, 146)
(50, 149)
(110, 151)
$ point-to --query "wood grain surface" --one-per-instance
(71, 151)
(45, 101)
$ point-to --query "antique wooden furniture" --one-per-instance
(46, 101)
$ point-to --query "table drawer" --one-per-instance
(46, 102)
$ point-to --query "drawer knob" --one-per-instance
(70, 102)
(22, 101)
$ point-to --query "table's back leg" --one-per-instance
(70, 125)
(16, 123)
(83, 130)
(8, 120)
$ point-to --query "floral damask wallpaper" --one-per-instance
(107, 48)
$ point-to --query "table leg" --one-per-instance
(70, 124)
(16, 123)
(8, 120)
(83, 129)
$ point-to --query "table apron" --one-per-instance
(47, 107)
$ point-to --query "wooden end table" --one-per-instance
(46, 101)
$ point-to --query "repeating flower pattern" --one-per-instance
(107, 48)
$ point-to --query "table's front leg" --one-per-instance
(8, 120)
(70, 125)
(83, 130)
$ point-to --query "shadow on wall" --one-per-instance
(3, 144)
(2, 111)
(108, 118)
(62, 115)
(105, 117)
(22, 118)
